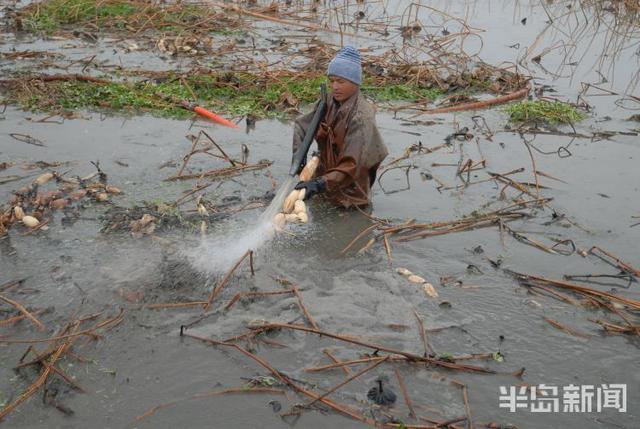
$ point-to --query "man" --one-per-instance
(349, 143)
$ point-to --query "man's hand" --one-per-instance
(312, 187)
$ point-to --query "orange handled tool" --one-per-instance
(219, 119)
(199, 110)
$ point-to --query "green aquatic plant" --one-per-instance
(403, 91)
(553, 112)
(237, 94)
(49, 16)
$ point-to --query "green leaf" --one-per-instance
(267, 381)
(445, 357)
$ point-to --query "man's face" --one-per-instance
(342, 89)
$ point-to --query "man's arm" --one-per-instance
(350, 160)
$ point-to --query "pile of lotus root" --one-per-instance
(294, 210)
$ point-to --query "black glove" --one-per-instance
(312, 187)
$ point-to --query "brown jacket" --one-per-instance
(350, 146)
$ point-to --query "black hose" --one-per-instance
(301, 154)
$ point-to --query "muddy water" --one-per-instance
(144, 362)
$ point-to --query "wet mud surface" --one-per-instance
(144, 362)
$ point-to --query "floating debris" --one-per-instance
(413, 278)
(381, 394)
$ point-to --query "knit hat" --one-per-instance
(346, 65)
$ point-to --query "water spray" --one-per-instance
(219, 253)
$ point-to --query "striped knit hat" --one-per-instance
(346, 65)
